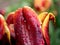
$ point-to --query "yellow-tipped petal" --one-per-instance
(45, 27)
(6, 29)
(42, 16)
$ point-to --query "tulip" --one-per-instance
(45, 17)
(42, 5)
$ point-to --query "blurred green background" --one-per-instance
(54, 30)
